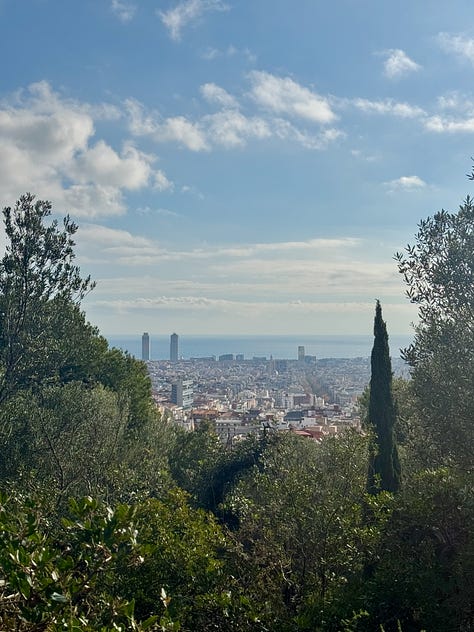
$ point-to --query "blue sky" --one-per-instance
(240, 167)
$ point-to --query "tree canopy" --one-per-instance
(439, 271)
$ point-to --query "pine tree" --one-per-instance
(384, 466)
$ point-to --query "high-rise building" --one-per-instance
(182, 393)
(174, 347)
(145, 346)
(301, 353)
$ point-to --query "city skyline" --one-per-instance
(245, 168)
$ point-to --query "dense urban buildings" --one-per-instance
(313, 397)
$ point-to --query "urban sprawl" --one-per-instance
(309, 396)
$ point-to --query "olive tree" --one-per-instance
(439, 271)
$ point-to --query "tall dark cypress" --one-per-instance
(384, 466)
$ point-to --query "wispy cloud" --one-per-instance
(164, 212)
(460, 45)
(124, 248)
(187, 13)
(449, 125)
(125, 11)
(405, 183)
(388, 106)
(398, 64)
(177, 128)
(231, 51)
(230, 127)
(320, 140)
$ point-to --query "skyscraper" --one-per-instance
(301, 353)
(145, 346)
(174, 347)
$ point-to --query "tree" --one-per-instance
(439, 271)
(424, 566)
(384, 467)
(302, 530)
(38, 282)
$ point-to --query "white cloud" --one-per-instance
(46, 146)
(41, 124)
(180, 129)
(161, 182)
(89, 200)
(230, 128)
(101, 164)
(448, 125)
(106, 237)
(458, 44)
(112, 246)
(187, 13)
(215, 94)
(388, 106)
(285, 130)
(455, 101)
(285, 96)
(406, 183)
(177, 128)
(398, 64)
(125, 11)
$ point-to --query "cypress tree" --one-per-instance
(384, 466)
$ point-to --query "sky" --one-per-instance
(239, 166)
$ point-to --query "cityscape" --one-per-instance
(307, 395)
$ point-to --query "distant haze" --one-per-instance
(279, 347)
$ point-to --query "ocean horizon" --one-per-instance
(277, 347)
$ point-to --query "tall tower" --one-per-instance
(301, 353)
(145, 346)
(174, 347)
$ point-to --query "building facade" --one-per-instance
(182, 393)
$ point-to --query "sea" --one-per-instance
(276, 347)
